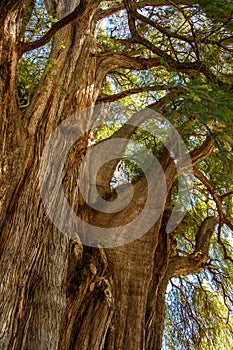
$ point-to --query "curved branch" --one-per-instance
(137, 38)
(168, 164)
(216, 197)
(105, 174)
(226, 195)
(101, 14)
(29, 46)
(204, 235)
(186, 67)
(202, 152)
(196, 156)
(194, 263)
(110, 61)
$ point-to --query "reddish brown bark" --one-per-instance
(55, 294)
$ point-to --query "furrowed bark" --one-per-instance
(55, 293)
(12, 132)
(34, 255)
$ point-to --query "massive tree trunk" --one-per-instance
(34, 255)
(56, 294)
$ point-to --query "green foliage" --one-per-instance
(219, 11)
(198, 317)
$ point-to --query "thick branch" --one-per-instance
(194, 263)
(202, 152)
(131, 10)
(168, 164)
(101, 14)
(29, 46)
(110, 61)
(204, 235)
(105, 174)
(197, 155)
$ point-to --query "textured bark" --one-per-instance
(13, 134)
(34, 255)
(56, 294)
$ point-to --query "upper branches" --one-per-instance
(78, 11)
(183, 55)
(100, 14)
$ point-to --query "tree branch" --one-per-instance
(29, 46)
(163, 30)
(226, 195)
(105, 174)
(202, 152)
(179, 66)
(221, 243)
(131, 10)
(171, 62)
(216, 197)
(168, 164)
(110, 61)
(101, 14)
(194, 263)
(204, 235)
(133, 91)
(197, 155)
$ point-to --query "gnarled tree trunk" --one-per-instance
(55, 294)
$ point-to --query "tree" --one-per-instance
(59, 59)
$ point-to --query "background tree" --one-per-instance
(62, 57)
